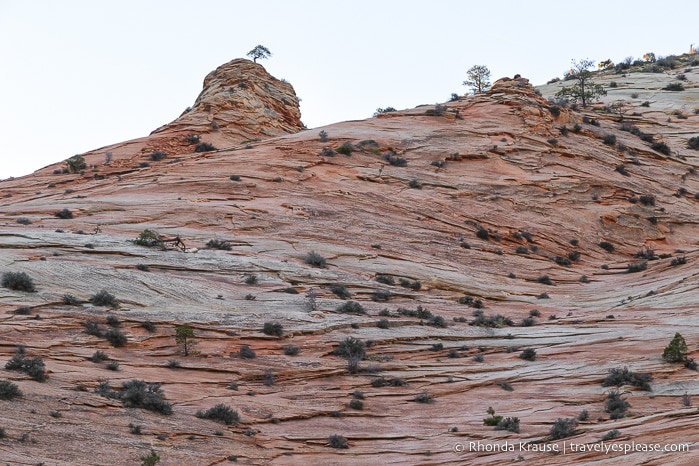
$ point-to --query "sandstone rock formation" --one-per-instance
(496, 204)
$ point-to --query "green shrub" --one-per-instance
(157, 156)
(273, 329)
(661, 147)
(113, 321)
(112, 366)
(413, 285)
(415, 184)
(637, 267)
(383, 324)
(222, 413)
(482, 233)
(528, 354)
(423, 397)
(251, 279)
(674, 87)
(394, 160)
(23, 311)
(9, 390)
(693, 143)
(148, 326)
(23, 221)
(149, 239)
(316, 260)
(381, 296)
(607, 246)
(345, 149)
(544, 279)
(676, 350)
(609, 139)
(291, 350)
(76, 163)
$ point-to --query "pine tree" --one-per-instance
(676, 351)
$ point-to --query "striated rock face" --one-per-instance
(241, 99)
(497, 204)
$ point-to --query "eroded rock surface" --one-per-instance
(477, 204)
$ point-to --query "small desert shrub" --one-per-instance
(148, 326)
(23, 221)
(220, 412)
(64, 214)
(34, 367)
(18, 281)
(528, 354)
(345, 149)
(437, 321)
(618, 377)
(609, 139)
(678, 261)
(351, 307)
(323, 136)
(394, 160)
(674, 87)
(204, 147)
(316, 260)
(9, 390)
(135, 428)
(555, 110)
(149, 239)
(142, 267)
(423, 397)
(415, 184)
(636, 267)
(563, 261)
(483, 234)
(113, 321)
(563, 428)
(112, 366)
(246, 352)
(381, 296)
(218, 244)
(251, 279)
(104, 298)
(583, 416)
(616, 406)
(356, 404)
(291, 350)
(273, 329)
(99, 356)
(340, 291)
(328, 152)
(413, 285)
(116, 337)
(173, 364)
(661, 147)
(383, 324)
(92, 327)
(510, 424)
(607, 246)
(385, 279)
(544, 279)
(234, 177)
(337, 441)
(269, 378)
(611, 435)
(137, 394)
(156, 156)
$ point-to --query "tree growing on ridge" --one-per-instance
(584, 89)
(676, 351)
(260, 51)
(478, 76)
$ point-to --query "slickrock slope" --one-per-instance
(478, 202)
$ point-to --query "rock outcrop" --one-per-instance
(242, 100)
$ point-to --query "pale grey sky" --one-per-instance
(76, 75)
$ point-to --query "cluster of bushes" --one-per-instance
(115, 336)
(471, 301)
(616, 406)
(33, 367)
(149, 239)
(618, 377)
(496, 321)
(351, 307)
(204, 147)
(394, 160)
(218, 244)
(9, 390)
(420, 312)
(137, 394)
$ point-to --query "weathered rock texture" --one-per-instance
(414, 201)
